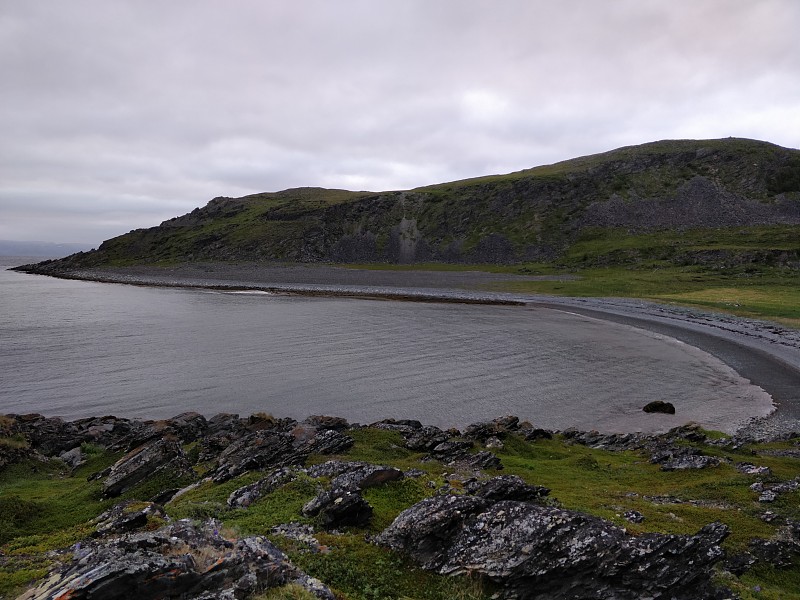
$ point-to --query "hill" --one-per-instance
(683, 202)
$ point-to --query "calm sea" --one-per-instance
(79, 349)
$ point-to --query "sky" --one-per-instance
(120, 114)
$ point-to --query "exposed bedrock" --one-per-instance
(537, 552)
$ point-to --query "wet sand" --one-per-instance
(763, 353)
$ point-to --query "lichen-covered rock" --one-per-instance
(506, 487)
(327, 422)
(128, 516)
(143, 463)
(246, 495)
(536, 552)
(366, 476)
(339, 507)
(405, 426)
(679, 458)
(451, 451)
(486, 429)
(181, 560)
(258, 450)
(425, 438)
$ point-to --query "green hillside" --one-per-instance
(729, 201)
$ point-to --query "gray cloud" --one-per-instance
(119, 114)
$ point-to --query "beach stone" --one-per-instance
(180, 560)
(659, 406)
(535, 552)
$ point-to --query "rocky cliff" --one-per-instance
(531, 215)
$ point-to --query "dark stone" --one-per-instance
(481, 460)
(143, 463)
(495, 428)
(404, 426)
(659, 406)
(534, 434)
(258, 450)
(181, 560)
(321, 441)
(325, 422)
(506, 487)
(366, 476)
(451, 451)
(425, 438)
(246, 495)
(128, 516)
(633, 516)
(679, 458)
(535, 552)
(339, 507)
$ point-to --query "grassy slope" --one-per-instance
(46, 509)
(537, 207)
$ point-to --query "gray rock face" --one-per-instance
(507, 487)
(536, 552)
(181, 560)
(366, 476)
(258, 450)
(127, 516)
(426, 438)
(339, 507)
(246, 495)
(143, 463)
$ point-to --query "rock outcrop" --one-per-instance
(180, 560)
(536, 552)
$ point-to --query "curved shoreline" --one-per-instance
(763, 353)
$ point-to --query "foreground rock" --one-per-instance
(181, 560)
(145, 463)
(538, 552)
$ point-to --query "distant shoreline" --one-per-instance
(765, 354)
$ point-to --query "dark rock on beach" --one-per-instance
(659, 406)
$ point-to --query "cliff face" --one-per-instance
(531, 215)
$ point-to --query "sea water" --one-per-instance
(78, 349)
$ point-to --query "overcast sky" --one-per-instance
(120, 114)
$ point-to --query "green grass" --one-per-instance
(43, 507)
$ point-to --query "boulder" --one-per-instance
(425, 438)
(339, 507)
(326, 422)
(366, 476)
(451, 451)
(246, 495)
(506, 487)
(128, 516)
(257, 450)
(486, 429)
(659, 406)
(180, 560)
(143, 463)
(536, 552)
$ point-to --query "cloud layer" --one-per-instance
(119, 114)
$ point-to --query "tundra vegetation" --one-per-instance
(48, 508)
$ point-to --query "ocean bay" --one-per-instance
(79, 349)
